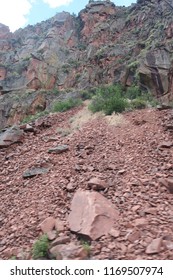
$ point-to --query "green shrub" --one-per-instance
(40, 247)
(138, 103)
(109, 99)
(133, 92)
(147, 96)
(115, 104)
(85, 94)
(139, 97)
(86, 246)
(62, 106)
(97, 104)
(114, 99)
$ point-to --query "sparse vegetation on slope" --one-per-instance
(40, 247)
(115, 99)
(62, 106)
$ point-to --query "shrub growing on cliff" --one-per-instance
(62, 106)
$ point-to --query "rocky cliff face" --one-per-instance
(103, 44)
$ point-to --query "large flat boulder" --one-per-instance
(91, 214)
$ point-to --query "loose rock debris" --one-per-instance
(137, 176)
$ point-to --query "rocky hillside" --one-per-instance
(103, 44)
(91, 186)
(101, 190)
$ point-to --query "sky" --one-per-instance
(19, 13)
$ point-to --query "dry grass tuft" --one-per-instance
(85, 115)
(115, 119)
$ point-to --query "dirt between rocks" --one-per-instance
(128, 155)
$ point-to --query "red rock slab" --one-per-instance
(91, 214)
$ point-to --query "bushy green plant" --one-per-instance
(109, 99)
(62, 106)
(86, 246)
(85, 94)
(97, 104)
(147, 96)
(115, 104)
(138, 103)
(40, 247)
(133, 92)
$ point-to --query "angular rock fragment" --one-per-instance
(51, 234)
(166, 144)
(150, 210)
(11, 136)
(168, 183)
(70, 187)
(163, 107)
(59, 149)
(114, 232)
(42, 123)
(69, 252)
(47, 225)
(60, 240)
(59, 225)
(134, 235)
(140, 222)
(34, 171)
(154, 247)
(91, 214)
(97, 184)
(27, 128)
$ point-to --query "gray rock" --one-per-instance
(59, 149)
(34, 171)
(11, 136)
